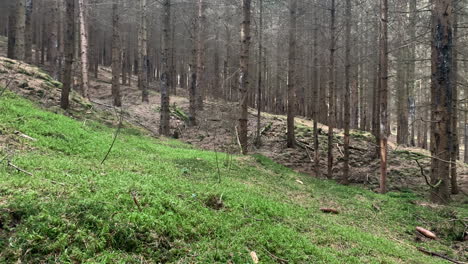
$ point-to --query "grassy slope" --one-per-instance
(91, 217)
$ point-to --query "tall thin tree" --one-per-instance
(116, 54)
(84, 47)
(441, 90)
(383, 93)
(244, 75)
(164, 128)
(68, 53)
(331, 92)
(347, 107)
(260, 72)
(291, 137)
(143, 52)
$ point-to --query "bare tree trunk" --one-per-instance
(244, 75)
(442, 105)
(164, 128)
(331, 92)
(316, 102)
(12, 31)
(260, 69)
(84, 48)
(52, 35)
(292, 78)
(68, 52)
(201, 80)
(116, 54)
(143, 53)
(455, 148)
(347, 107)
(411, 111)
(193, 78)
(383, 93)
(20, 29)
(28, 34)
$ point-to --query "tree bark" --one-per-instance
(347, 107)
(331, 92)
(260, 76)
(28, 34)
(164, 128)
(116, 54)
(383, 93)
(442, 105)
(12, 31)
(20, 29)
(68, 53)
(244, 75)
(455, 148)
(143, 53)
(201, 80)
(292, 78)
(84, 48)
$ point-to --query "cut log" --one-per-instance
(426, 232)
(329, 210)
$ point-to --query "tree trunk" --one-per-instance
(20, 29)
(455, 148)
(28, 34)
(442, 105)
(164, 128)
(260, 69)
(292, 78)
(143, 53)
(68, 52)
(347, 107)
(201, 80)
(411, 111)
(116, 54)
(84, 48)
(12, 31)
(383, 93)
(244, 75)
(331, 92)
(316, 98)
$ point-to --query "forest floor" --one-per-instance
(160, 200)
(216, 131)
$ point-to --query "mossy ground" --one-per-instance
(161, 201)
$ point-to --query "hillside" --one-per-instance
(157, 200)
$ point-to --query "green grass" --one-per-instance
(75, 210)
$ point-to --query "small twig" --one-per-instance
(135, 201)
(275, 257)
(115, 136)
(435, 254)
(217, 165)
(238, 141)
(19, 169)
(341, 152)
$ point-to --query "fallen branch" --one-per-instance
(339, 149)
(24, 136)
(19, 169)
(281, 260)
(435, 254)
(425, 176)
